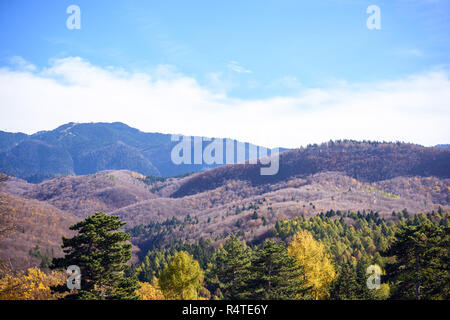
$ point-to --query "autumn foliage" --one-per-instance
(148, 291)
(311, 255)
(33, 284)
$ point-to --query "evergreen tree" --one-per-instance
(362, 291)
(101, 253)
(421, 262)
(345, 286)
(152, 264)
(232, 268)
(351, 284)
(276, 275)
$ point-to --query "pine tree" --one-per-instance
(276, 275)
(421, 268)
(345, 286)
(152, 264)
(232, 268)
(362, 291)
(101, 253)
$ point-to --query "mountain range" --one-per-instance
(210, 204)
(87, 148)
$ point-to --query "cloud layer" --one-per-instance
(413, 109)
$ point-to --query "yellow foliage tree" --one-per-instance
(149, 291)
(181, 278)
(30, 285)
(311, 255)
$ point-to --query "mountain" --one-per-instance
(87, 148)
(340, 175)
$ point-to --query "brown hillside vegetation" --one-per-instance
(232, 206)
(364, 161)
(429, 189)
(35, 226)
(252, 211)
(230, 199)
(83, 195)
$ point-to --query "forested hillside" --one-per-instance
(364, 161)
(334, 250)
(331, 256)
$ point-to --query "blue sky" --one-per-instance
(243, 51)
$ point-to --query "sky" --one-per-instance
(275, 73)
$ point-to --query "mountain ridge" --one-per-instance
(87, 148)
(365, 161)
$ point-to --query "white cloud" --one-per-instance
(414, 109)
(233, 65)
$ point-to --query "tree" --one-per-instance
(147, 291)
(345, 286)
(351, 284)
(318, 271)
(101, 253)
(152, 264)
(420, 269)
(181, 278)
(276, 275)
(232, 268)
(30, 285)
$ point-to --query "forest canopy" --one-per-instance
(324, 257)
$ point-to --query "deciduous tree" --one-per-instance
(181, 278)
(30, 285)
(318, 271)
(147, 291)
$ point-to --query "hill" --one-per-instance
(364, 161)
(344, 175)
(235, 207)
(83, 195)
(33, 233)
